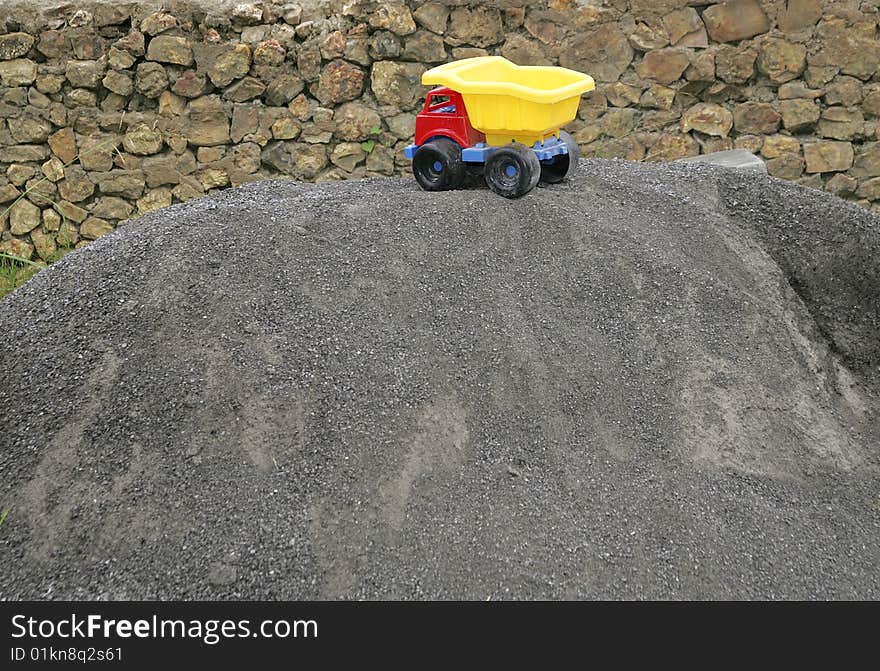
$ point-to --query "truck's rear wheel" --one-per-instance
(437, 165)
(513, 170)
(562, 166)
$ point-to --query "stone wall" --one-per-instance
(111, 109)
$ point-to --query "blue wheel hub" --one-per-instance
(510, 171)
(438, 166)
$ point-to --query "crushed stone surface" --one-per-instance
(651, 382)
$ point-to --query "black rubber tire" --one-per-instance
(513, 170)
(562, 166)
(437, 165)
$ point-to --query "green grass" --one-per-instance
(15, 271)
(3, 517)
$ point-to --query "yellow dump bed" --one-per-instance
(513, 102)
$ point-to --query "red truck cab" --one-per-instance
(444, 115)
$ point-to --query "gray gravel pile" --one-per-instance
(651, 382)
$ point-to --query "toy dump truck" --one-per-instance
(489, 116)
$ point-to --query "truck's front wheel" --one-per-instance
(513, 170)
(437, 165)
